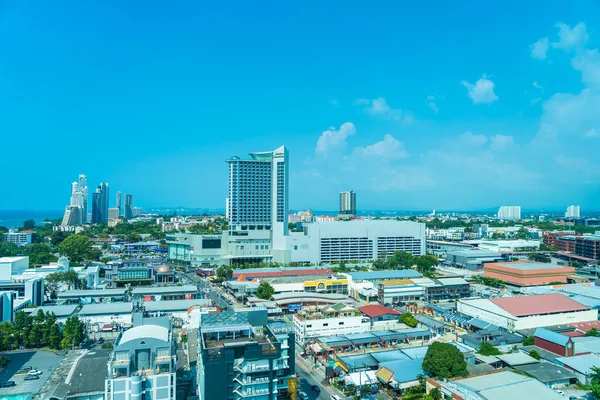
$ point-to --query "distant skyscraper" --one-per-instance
(118, 205)
(347, 204)
(100, 204)
(128, 206)
(75, 213)
(257, 207)
(511, 213)
(84, 192)
(572, 212)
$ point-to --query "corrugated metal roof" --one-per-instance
(551, 336)
(522, 306)
(582, 364)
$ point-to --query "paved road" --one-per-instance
(308, 376)
(213, 293)
(45, 361)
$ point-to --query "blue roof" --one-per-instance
(393, 274)
(405, 370)
(391, 355)
(582, 364)
(416, 352)
(551, 336)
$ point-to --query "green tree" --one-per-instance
(57, 237)
(403, 259)
(48, 324)
(73, 332)
(54, 337)
(224, 273)
(134, 237)
(594, 379)
(592, 332)
(538, 257)
(435, 394)
(487, 349)
(426, 263)
(408, 319)
(9, 249)
(528, 341)
(78, 248)
(29, 224)
(444, 361)
(265, 291)
(22, 326)
(36, 335)
(534, 354)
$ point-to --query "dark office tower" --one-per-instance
(118, 205)
(100, 204)
(128, 206)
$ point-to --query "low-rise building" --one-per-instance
(198, 250)
(92, 296)
(524, 273)
(554, 341)
(525, 312)
(143, 362)
(588, 246)
(472, 260)
(22, 238)
(338, 319)
(158, 293)
(581, 365)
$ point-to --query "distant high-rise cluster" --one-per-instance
(509, 213)
(347, 204)
(76, 213)
(572, 212)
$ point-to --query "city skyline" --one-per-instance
(509, 119)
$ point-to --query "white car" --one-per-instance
(334, 397)
(303, 396)
(34, 372)
(560, 392)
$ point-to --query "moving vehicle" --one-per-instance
(31, 377)
(316, 388)
(334, 397)
(8, 384)
(34, 372)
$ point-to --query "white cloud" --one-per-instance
(482, 91)
(470, 139)
(537, 86)
(387, 149)
(571, 38)
(501, 142)
(431, 104)
(539, 49)
(588, 63)
(536, 100)
(332, 138)
(592, 133)
(379, 107)
(334, 103)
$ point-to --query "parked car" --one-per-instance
(334, 397)
(25, 368)
(101, 340)
(34, 372)
(8, 384)
(31, 377)
(303, 396)
(316, 388)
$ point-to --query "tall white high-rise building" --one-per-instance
(257, 206)
(82, 185)
(76, 211)
(347, 204)
(572, 212)
(511, 213)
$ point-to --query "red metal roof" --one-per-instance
(586, 326)
(274, 274)
(376, 310)
(522, 306)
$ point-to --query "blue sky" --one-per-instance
(412, 106)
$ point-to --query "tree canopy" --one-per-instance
(38, 331)
(78, 248)
(487, 349)
(408, 319)
(265, 291)
(444, 361)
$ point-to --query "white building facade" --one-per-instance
(572, 212)
(360, 240)
(326, 322)
(510, 213)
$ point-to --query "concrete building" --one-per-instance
(581, 365)
(128, 206)
(347, 204)
(440, 248)
(509, 213)
(242, 355)
(100, 204)
(257, 206)
(199, 250)
(15, 237)
(472, 260)
(97, 316)
(92, 296)
(523, 273)
(113, 213)
(553, 341)
(526, 312)
(391, 292)
(10, 266)
(143, 362)
(158, 293)
(572, 212)
(360, 240)
(501, 246)
(338, 319)
(588, 246)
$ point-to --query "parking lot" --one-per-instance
(45, 361)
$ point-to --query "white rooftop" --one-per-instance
(145, 331)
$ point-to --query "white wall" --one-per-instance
(306, 329)
(124, 319)
(12, 266)
(485, 315)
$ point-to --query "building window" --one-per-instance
(326, 324)
(341, 323)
